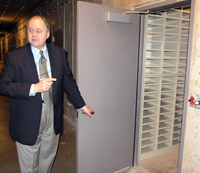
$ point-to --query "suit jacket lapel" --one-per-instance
(29, 64)
(53, 63)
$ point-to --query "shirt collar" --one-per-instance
(36, 51)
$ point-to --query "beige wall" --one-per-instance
(126, 4)
(191, 151)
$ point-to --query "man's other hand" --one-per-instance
(88, 111)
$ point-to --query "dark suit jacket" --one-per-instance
(25, 111)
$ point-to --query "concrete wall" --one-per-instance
(191, 152)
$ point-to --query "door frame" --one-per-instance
(154, 7)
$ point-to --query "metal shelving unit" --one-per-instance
(163, 81)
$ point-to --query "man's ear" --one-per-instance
(48, 34)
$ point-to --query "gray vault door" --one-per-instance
(107, 78)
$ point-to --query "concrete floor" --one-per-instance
(166, 163)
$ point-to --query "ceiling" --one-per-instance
(12, 11)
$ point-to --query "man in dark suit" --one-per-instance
(34, 77)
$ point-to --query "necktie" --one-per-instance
(47, 96)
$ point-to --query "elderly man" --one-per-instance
(34, 77)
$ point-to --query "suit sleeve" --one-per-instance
(71, 87)
(9, 84)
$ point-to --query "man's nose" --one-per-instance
(34, 33)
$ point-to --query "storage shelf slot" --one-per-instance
(184, 31)
(169, 62)
(168, 70)
(181, 86)
(165, 124)
(177, 121)
(148, 135)
(153, 62)
(172, 22)
(148, 142)
(185, 23)
(167, 94)
(180, 93)
(168, 79)
(166, 87)
(164, 138)
(151, 88)
(155, 28)
(173, 13)
(166, 102)
(178, 115)
(152, 70)
(152, 80)
(185, 15)
(171, 46)
(177, 128)
(182, 70)
(167, 109)
(149, 127)
(170, 54)
(149, 120)
(185, 39)
(153, 45)
(183, 62)
(171, 38)
(154, 37)
(176, 142)
(153, 54)
(183, 54)
(172, 30)
(155, 19)
(150, 112)
(165, 117)
(163, 145)
(151, 96)
(179, 100)
(177, 135)
(179, 107)
(150, 104)
(164, 131)
(148, 149)
(184, 47)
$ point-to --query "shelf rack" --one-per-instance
(163, 81)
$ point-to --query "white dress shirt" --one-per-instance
(37, 55)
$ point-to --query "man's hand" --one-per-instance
(44, 85)
(88, 111)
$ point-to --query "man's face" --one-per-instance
(37, 33)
